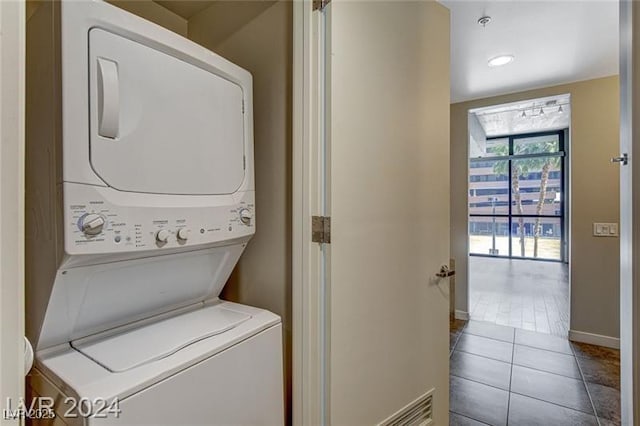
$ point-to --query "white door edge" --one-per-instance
(12, 146)
(629, 206)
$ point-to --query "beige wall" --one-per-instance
(594, 261)
(153, 12)
(261, 42)
(223, 22)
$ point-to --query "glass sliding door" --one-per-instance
(516, 197)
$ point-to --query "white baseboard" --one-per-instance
(461, 315)
(594, 339)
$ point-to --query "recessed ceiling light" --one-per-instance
(501, 60)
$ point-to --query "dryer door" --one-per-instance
(160, 124)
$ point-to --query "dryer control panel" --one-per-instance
(101, 220)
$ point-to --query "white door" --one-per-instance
(382, 153)
(148, 104)
(629, 205)
(12, 61)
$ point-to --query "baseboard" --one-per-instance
(594, 339)
(461, 315)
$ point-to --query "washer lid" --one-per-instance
(151, 342)
(160, 124)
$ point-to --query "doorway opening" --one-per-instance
(518, 215)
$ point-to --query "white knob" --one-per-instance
(183, 234)
(28, 356)
(162, 236)
(92, 224)
(245, 216)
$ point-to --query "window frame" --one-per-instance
(561, 153)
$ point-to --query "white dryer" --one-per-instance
(140, 198)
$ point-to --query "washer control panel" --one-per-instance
(94, 224)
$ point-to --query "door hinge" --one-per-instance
(320, 4)
(244, 162)
(243, 106)
(321, 229)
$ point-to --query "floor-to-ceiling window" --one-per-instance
(517, 197)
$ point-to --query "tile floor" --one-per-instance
(506, 376)
(528, 294)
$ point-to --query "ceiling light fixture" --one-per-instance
(541, 111)
(524, 114)
(560, 110)
(501, 60)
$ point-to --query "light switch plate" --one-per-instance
(602, 229)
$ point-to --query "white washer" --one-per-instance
(140, 197)
(175, 371)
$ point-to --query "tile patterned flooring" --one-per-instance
(528, 294)
(506, 376)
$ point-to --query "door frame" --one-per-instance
(309, 351)
(629, 205)
(12, 150)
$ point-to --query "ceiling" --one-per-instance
(554, 42)
(525, 117)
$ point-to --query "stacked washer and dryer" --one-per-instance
(140, 198)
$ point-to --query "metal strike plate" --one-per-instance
(624, 159)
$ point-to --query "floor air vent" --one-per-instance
(417, 413)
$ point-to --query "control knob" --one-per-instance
(91, 223)
(183, 234)
(246, 216)
(162, 236)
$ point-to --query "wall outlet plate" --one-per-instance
(604, 229)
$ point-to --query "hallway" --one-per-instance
(528, 294)
(505, 376)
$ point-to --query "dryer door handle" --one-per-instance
(108, 98)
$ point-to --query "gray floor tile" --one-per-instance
(520, 293)
(543, 341)
(492, 331)
(483, 346)
(453, 338)
(481, 369)
(600, 371)
(607, 402)
(479, 402)
(533, 412)
(541, 359)
(570, 393)
(458, 420)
